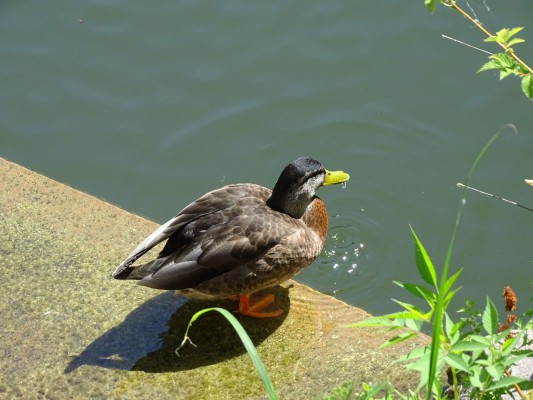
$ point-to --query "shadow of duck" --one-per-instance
(147, 338)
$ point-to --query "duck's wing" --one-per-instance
(239, 242)
(209, 203)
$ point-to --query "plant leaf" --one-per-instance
(496, 371)
(491, 64)
(384, 320)
(430, 5)
(504, 35)
(464, 345)
(490, 318)
(451, 280)
(514, 41)
(480, 339)
(398, 339)
(504, 73)
(423, 262)
(449, 296)
(527, 86)
(418, 291)
(457, 362)
(514, 31)
(507, 381)
(372, 321)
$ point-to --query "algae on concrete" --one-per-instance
(70, 331)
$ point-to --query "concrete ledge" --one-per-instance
(70, 331)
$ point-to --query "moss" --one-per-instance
(70, 331)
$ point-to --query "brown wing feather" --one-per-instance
(216, 233)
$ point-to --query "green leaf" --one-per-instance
(464, 345)
(510, 361)
(514, 41)
(475, 381)
(423, 263)
(483, 362)
(372, 321)
(505, 60)
(413, 355)
(506, 381)
(504, 35)
(409, 307)
(480, 339)
(398, 339)
(527, 86)
(489, 65)
(402, 315)
(420, 364)
(449, 296)
(490, 318)
(451, 280)
(510, 343)
(415, 325)
(418, 291)
(504, 73)
(430, 5)
(457, 362)
(385, 320)
(514, 31)
(448, 325)
(496, 371)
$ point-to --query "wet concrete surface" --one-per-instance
(68, 330)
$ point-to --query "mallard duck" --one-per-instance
(240, 239)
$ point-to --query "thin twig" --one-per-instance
(517, 388)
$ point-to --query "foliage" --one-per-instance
(343, 391)
(476, 351)
(507, 62)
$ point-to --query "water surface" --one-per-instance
(149, 106)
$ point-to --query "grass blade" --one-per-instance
(246, 341)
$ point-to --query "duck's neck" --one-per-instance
(293, 204)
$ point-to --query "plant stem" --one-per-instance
(455, 384)
(517, 388)
(507, 49)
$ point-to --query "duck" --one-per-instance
(241, 239)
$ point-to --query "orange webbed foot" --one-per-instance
(262, 307)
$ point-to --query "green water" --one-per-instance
(149, 105)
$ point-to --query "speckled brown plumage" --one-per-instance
(238, 239)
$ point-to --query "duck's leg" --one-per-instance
(263, 307)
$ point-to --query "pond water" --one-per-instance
(149, 106)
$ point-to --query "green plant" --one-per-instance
(477, 360)
(343, 391)
(507, 62)
(371, 392)
(476, 351)
(246, 341)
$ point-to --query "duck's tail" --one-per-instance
(137, 272)
(123, 272)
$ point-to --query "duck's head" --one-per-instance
(297, 184)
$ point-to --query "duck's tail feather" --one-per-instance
(137, 272)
